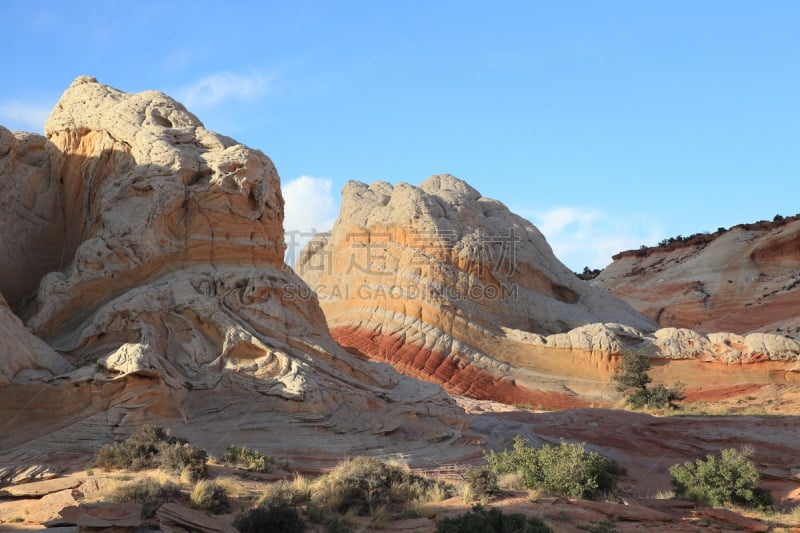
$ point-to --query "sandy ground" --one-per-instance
(644, 443)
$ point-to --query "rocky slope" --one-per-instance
(743, 280)
(449, 286)
(430, 278)
(144, 254)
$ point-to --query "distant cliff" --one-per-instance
(744, 279)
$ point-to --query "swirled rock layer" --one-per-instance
(146, 260)
(744, 280)
(450, 286)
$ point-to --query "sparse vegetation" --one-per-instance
(291, 493)
(589, 273)
(366, 486)
(491, 521)
(148, 492)
(482, 482)
(150, 447)
(363, 484)
(567, 469)
(211, 496)
(273, 517)
(250, 459)
(183, 459)
(632, 379)
(727, 478)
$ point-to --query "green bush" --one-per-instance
(567, 469)
(278, 517)
(148, 492)
(491, 521)
(729, 477)
(211, 496)
(632, 379)
(250, 459)
(482, 482)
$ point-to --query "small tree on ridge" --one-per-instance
(632, 377)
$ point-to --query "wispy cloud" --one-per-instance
(310, 208)
(220, 87)
(24, 115)
(589, 237)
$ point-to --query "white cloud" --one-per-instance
(224, 86)
(25, 116)
(310, 208)
(589, 237)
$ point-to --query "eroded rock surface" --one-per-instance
(165, 291)
(744, 280)
(429, 277)
(449, 286)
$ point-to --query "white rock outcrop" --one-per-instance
(165, 289)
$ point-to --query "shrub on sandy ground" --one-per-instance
(482, 482)
(278, 517)
(729, 477)
(491, 521)
(250, 459)
(364, 484)
(148, 492)
(567, 469)
(183, 459)
(137, 452)
(211, 496)
(151, 446)
(289, 492)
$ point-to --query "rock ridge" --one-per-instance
(163, 298)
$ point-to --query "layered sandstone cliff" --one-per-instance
(449, 286)
(145, 257)
(429, 277)
(744, 280)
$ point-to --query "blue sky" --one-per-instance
(608, 124)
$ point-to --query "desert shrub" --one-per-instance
(148, 492)
(290, 493)
(276, 517)
(142, 446)
(729, 477)
(136, 452)
(210, 495)
(250, 459)
(661, 397)
(482, 482)
(363, 484)
(632, 379)
(183, 459)
(151, 446)
(113, 457)
(482, 520)
(567, 469)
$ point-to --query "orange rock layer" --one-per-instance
(456, 376)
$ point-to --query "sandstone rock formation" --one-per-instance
(450, 286)
(744, 280)
(429, 277)
(145, 252)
